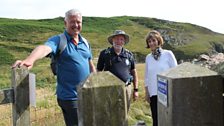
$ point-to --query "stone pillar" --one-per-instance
(190, 95)
(102, 101)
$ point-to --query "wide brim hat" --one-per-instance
(118, 32)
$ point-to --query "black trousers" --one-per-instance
(153, 105)
(69, 109)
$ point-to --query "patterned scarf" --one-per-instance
(157, 53)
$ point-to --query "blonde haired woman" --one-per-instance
(157, 61)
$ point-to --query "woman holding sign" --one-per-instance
(157, 61)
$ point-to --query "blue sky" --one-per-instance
(206, 13)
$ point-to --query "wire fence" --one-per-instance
(46, 112)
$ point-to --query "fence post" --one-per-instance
(20, 106)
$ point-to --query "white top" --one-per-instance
(166, 61)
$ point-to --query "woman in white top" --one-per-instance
(157, 61)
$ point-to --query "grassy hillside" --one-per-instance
(186, 40)
(18, 38)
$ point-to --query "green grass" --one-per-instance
(6, 57)
(97, 29)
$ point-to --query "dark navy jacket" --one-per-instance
(120, 65)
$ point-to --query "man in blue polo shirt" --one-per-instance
(120, 62)
(74, 64)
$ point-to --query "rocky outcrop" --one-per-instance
(209, 61)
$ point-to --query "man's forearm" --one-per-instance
(135, 79)
(92, 67)
(38, 53)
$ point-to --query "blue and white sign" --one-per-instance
(162, 91)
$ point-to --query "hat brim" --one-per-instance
(110, 38)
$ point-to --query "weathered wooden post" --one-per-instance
(102, 101)
(190, 95)
(19, 96)
(20, 107)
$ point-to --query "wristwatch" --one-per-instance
(135, 89)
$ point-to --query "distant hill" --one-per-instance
(185, 40)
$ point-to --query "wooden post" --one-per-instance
(20, 85)
(6, 96)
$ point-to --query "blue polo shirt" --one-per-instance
(73, 66)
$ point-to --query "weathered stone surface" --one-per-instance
(102, 101)
(188, 70)
(194, 96)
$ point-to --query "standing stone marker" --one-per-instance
(190, 95)
(102, 101)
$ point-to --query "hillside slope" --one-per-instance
(186, 40)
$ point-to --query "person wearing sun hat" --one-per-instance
(116, 33)
(120, 62)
